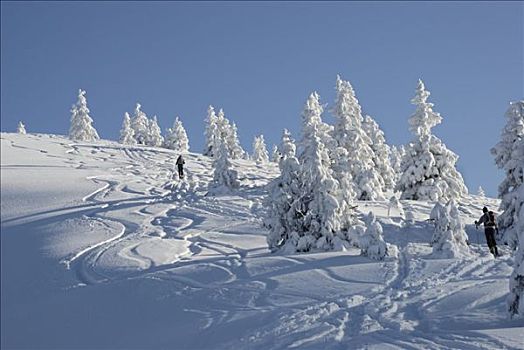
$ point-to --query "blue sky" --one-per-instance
(260, 60)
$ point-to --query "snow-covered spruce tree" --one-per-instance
(381, 152)
(506, 157)
(155, 137)
(176, 137)
(211, 132)
(260, 154)
(428, 167)
(480, 192)
(394, 203)
(140, 125)
(449, 238)
(81, 128)
(372, 243)
(20, 128)
(228, 134)
(349, 134)
(224, 176)
(127, 134)
(233, 144)
(281, 219)
(516, 280)
(275, 154)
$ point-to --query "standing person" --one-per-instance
(490, 227)
(180, 164)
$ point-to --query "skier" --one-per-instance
(180, 164)
(490, 227)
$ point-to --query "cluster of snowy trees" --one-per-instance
(220, 131)
(138, 129)
(308, 207)
(310, 203)
(142, 130)
(509, 156)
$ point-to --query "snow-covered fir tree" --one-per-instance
(140, 125)
(507, 158)
(480, 192)
(260, 154)
(381, 152)
(516, 280)
(155, 137)
(428, 167)
(275, 154)
(211, 132)
(449, 238)
(176, 137)
(349, 134)
(372, 243)
(21, 128)
(224, 176)
(282, 220)
(127, 134)
(223, 126)
(513, 132)
(81, 123)
(228, 134)
(394, 204)
(233, 144)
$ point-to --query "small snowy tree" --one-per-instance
(449, 238)
(211, 132)
(428, 167)
(81, 128)
(394, 203)
(481, 192)
(140, 125)
(155, 137)
(233, 143)
(224, 176)
(281, 219)
(127, 134)
(372, 243)
(349, 134)
(507, 157)
(176, 137)
(381, 152)
(21, 128)
(275, 154)
(260, 154)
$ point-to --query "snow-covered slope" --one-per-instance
(101, 248)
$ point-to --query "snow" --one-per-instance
(101, 247)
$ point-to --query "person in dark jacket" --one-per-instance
(490, 227)
(180, 164)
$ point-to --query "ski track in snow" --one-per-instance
(139, 195)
